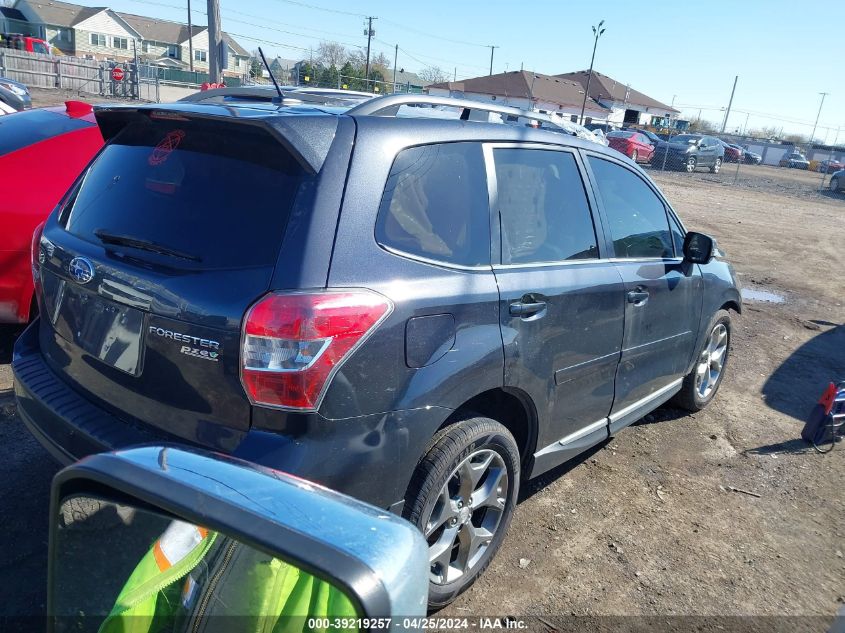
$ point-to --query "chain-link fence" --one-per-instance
(337, 81)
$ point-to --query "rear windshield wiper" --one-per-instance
(144, 245)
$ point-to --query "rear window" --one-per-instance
(27, 128)
(219, 194)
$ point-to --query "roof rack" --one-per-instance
(389, 105)
(261, 93)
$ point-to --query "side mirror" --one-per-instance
(699, 248)
(169, 538)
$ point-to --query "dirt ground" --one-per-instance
(645, 524)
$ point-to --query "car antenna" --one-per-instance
(270, 72)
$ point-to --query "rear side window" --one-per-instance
(637, 217)
(218, 193)
(435, 205)
(543, 208)
(27, 128)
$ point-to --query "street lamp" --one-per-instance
(597, 31)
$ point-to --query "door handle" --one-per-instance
(526, 308)
(638, 297)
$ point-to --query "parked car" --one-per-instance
(20, 42)
(733, 153)
(15, 94)
(690, 152)
(837, 181)
(41, 153)
(752, 158)
(829, 166)
(426, 363)
(634, 145)
(651, 136)
(794, 160)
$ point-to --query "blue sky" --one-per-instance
(785, 52)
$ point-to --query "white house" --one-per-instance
(626, 105)
(526, 90)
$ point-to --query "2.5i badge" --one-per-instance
(199, 353)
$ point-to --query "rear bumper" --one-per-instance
(369, 457)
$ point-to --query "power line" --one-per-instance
(316, 8)
(431, 35)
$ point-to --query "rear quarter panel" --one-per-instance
(35, 178)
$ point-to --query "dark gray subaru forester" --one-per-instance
(418, 312)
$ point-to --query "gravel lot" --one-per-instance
(644, 524)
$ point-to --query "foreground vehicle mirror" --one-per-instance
(699, 248)
(162, 538)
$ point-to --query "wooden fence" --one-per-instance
(70, 73)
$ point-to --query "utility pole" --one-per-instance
(190, 39)
(492, 48)
(369, 32)
(812, 136)
(395, 57)
(455, 76)
(215, 42)
(597, 31)
(730, 103)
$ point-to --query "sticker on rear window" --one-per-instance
(165, 147)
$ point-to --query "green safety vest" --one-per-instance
(190, 576)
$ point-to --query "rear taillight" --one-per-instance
(294, 343)
(36, 257)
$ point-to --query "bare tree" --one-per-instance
(358, 58)
(332, 54)
(380, 59)
(434, 74)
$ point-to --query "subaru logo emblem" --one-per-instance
(81, 269)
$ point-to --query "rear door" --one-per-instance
(561, 298)
(662, 293)
(152, 263)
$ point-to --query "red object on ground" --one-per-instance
(633, 144)
(117, 73)
(57, 145)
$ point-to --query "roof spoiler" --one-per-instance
(308, 140)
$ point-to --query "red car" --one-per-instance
(42, 151)
(634, 145)
(733, 153)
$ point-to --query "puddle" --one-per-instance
(756, 294)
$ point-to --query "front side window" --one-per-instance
(542, 207)
(637, 218)
(435, 205)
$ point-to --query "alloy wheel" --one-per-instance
(634, 156)
(717, 165)
(711, 362)
(691, 164)
(466, 515)
(834, 184)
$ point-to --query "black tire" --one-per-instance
(689, 397)
(716, 166)
(448, 449)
